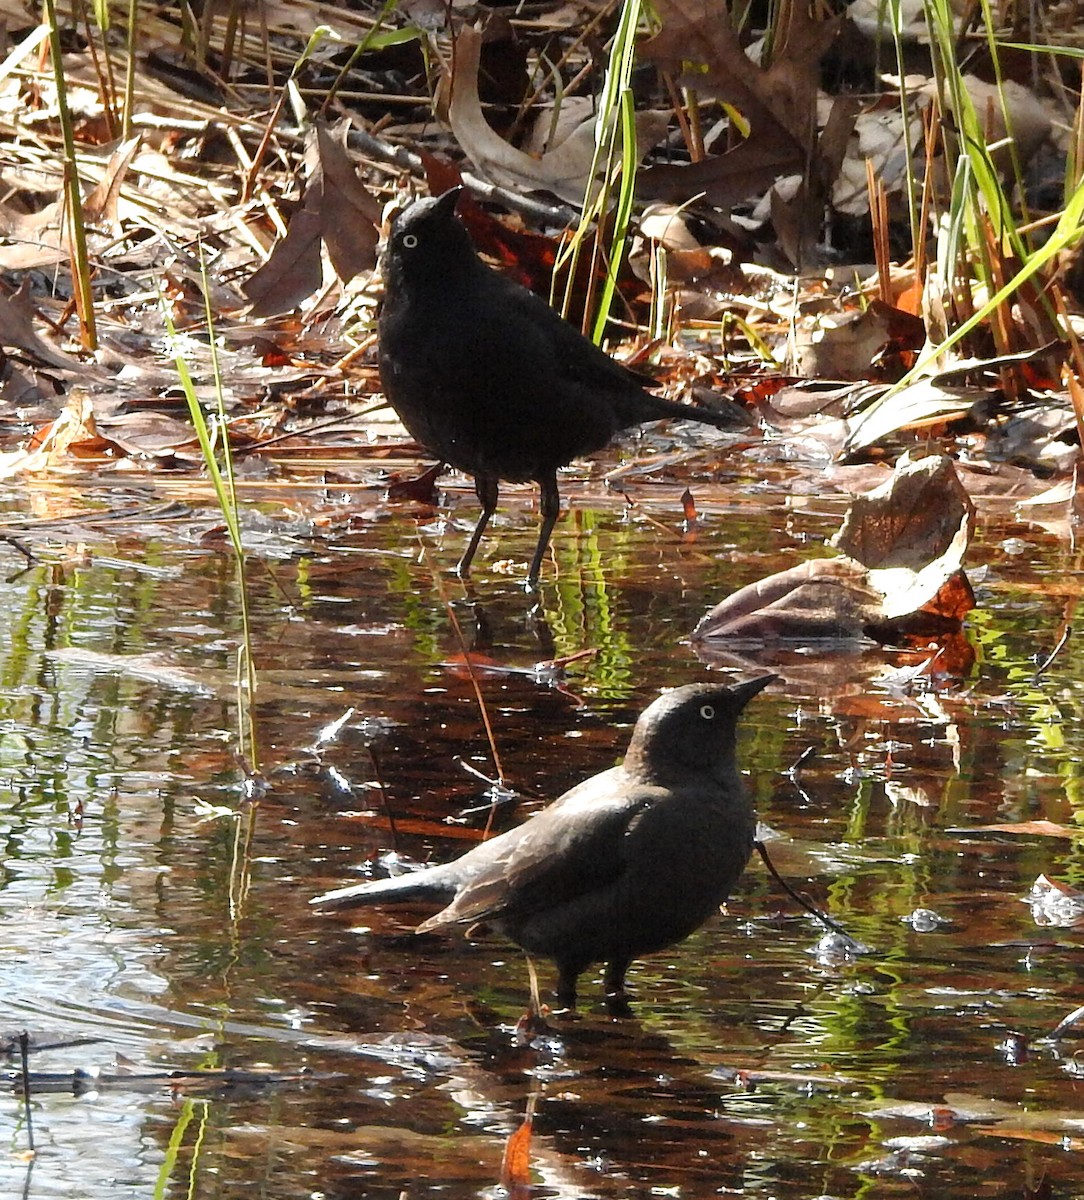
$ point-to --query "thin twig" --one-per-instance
(375, 760)
(400, 156)
(477, 690)
(792, 771)
(24, 1056)
(474, 683)
(1066, 1023)
(17, 545)
(814, 912)
(1042, 668)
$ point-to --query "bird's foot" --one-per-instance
(617, 1004)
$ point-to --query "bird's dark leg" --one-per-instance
(486, 488)
(551, 510)
(617, 998)
(566, 987)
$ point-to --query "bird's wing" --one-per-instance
(573, 847)
(578, 357)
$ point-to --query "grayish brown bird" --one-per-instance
(489, 378)
(626, 863)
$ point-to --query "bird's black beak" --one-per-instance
(744, 692)
(445, 205)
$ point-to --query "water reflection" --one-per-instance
(129, 918)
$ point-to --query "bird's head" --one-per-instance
(691, 728)
(427, 240)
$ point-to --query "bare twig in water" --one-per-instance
(813, 911)
(24, 1058)
(483, 711)
(792, 771)
(379, 776)
(1044, 666)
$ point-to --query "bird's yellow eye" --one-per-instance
(410, 240)
(707, 712)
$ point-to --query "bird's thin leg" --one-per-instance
(566, 987)
(551, 510)
(486, 488)
(617, 998)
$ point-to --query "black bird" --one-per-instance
(628, 862)
(486, 376)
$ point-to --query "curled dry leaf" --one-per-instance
(338, 213)
(53, 447)
(563, 170)
(824, 598)
(902, 576)
(920, 405)
(911, 520)
(699, 45)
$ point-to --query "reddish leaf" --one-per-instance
(516, 1167)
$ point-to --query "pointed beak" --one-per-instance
(447, 201)
(744, 692)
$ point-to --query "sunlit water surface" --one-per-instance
(155, 911)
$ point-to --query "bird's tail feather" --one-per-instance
(415, 885)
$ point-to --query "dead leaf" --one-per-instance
(17, 319)
(902, 577)
(1031, 828)
(918, 406)
(516, 1166)
(350, 214)
(700, 47)
(911, 520)
(100, 207)
(563, 170)
(51, 447)
(338, 213)
(148, 668)
(293, 271)
(1044, 1137)
(823, 598)
(840, 346)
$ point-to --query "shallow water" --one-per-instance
(155, 903)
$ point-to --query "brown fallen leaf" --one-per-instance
(840, 346)
(349, 214)
(902, 575)
(293, 271)
(700, 47)
(338, 212)
(828, 598)
(17, 331)
(564, 169)
(1026, 828)
(51, 447)
(1045, 1137)
(516, 1166)
(100, 207)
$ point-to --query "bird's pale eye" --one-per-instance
(410, 240)
(707, 712)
